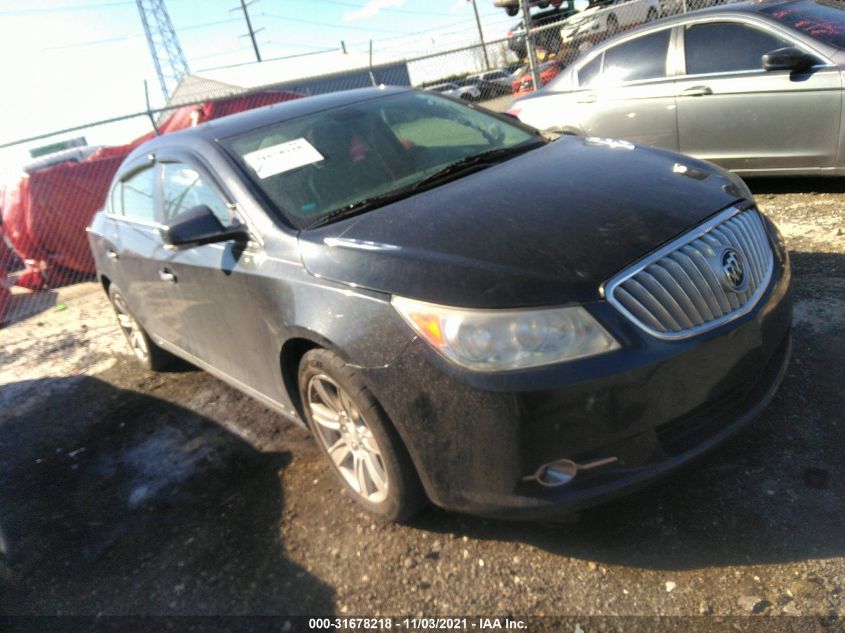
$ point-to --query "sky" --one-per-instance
(69, 62)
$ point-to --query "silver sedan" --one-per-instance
(754, 87)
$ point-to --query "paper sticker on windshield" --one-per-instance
(278, 159)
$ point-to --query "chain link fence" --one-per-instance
(47, 204)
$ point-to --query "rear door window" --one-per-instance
(137, 196)
(638, 59)
(723, 47)
(589, 72)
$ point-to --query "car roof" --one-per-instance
(747, 7)
(242, 122)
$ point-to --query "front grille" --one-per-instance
(713, 274)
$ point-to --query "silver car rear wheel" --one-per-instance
(131, 329)
(144, 349)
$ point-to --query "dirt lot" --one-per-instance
(127, 492)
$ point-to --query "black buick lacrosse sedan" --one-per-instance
(460, 309)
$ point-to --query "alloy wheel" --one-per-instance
(131, 329)
(347, 438)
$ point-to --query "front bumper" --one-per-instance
(654, 404)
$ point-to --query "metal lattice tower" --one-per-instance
(167, 53)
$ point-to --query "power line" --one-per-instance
(327, 24)
(433, 30)
(108, 40)
(64, 8)
(191, 27)
(123, 38)
(298, 45)
(271, 59)
(386, 9)
(230, 51)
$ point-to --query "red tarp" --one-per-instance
(46, 213)
(8, 262)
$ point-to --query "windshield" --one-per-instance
(318, 164)
(823, 20)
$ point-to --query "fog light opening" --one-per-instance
(563, 471)
(557, 473)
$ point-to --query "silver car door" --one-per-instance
(137, 215)
(733, 112)
(633, 96)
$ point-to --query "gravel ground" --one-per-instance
(126, 492)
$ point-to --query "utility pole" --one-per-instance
(252, 32)
(481, 34)
(168, 58)
(529, 43)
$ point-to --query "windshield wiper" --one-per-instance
(489, 157)
(363, 205)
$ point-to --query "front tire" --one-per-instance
(147, 353)
(358, 440)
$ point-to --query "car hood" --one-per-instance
(547, 227)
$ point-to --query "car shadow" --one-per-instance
(771, 494)
(795, 184)
(116, 502)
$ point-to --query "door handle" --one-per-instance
(588, 98)
(112, 254)
(697, 91)
(166, 275)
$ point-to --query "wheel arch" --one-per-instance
(290, 358)
(105, 282)
(293, 349)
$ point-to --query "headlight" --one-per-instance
(501, 340)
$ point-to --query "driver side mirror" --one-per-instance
(788, 58)
(198, 225)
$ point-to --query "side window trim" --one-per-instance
(115, 190)
(753, 24)
(676, 62)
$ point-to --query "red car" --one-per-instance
(524, 83)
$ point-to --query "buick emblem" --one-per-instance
(733, 270)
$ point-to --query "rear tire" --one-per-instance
(357, 438)
(147, 353)
(512, 10)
